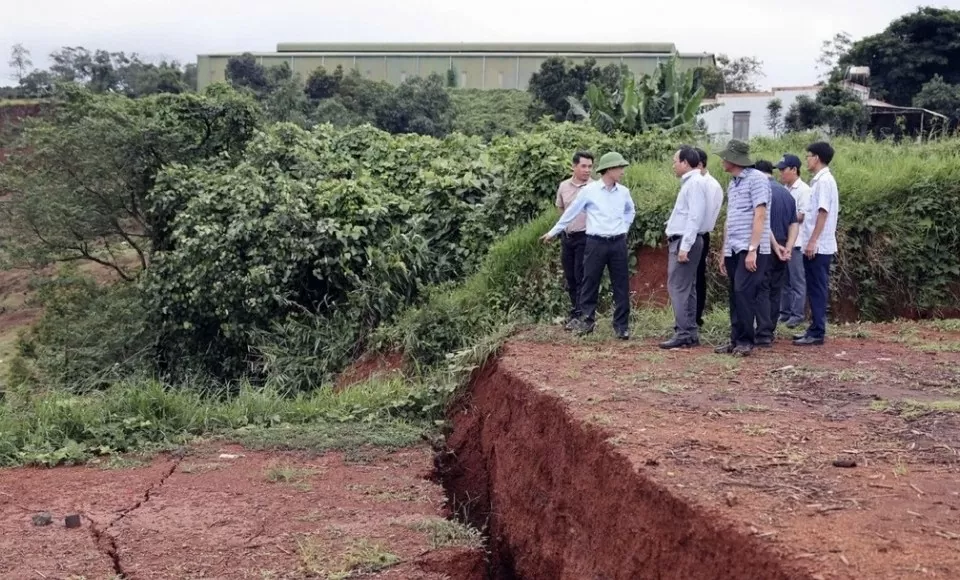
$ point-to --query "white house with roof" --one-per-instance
(744, 115)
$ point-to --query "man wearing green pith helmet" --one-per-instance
(610, 211)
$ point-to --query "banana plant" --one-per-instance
(668, 99)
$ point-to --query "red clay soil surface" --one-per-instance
(648, 285)
(603, 460)
(245, 515)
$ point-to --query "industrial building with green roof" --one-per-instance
(476, 65)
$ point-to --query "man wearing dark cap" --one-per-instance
(746, 243)
(610, 212)
(783, 235)
(794, 301)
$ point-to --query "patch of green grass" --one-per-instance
(349, 437)
(55, 427)
(362, 557)
(943, 346)
(446, 533)
(909, 409)
(945, 325)
(124, 462)
(289, 474)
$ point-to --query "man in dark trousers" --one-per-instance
(685, 244)
(575, 235)
(610, 211)
(746, 244)
(714, 203)
(819, 240)
(784, 230)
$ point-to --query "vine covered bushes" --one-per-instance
(345, 226)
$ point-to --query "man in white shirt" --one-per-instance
(819, 239)
(685, 246)
(714, 203)
(794, 300)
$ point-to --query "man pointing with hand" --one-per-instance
(610, 211)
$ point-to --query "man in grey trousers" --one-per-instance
(794, 299)
(685, 246)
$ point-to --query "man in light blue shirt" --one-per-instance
(685, 243)
(610, 211)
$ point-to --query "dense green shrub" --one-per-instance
(89, 337)
(327, 223)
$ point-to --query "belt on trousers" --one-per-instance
(607, 238)
(672, 239)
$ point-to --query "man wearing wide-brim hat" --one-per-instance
(746, 243)
(610, 211)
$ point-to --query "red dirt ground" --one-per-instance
(599, 460)
(648, 285)
(203, 516)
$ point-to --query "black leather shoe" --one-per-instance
(571, 324)
(725, 349)
(583, 328)
(623, 334)
(799, 336)
(678, 343)
(764, 343)
(794, 322)
(808, 341)
(742, 350)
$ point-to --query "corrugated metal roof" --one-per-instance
(458, 47)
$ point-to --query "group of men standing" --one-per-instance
(779, 241)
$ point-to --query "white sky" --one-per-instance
(786, 34)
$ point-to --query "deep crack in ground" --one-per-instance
(106, 543)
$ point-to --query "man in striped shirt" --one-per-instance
(746, 244)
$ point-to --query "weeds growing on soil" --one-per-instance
(446, 533)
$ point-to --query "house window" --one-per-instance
(741, 125)
(463, 79)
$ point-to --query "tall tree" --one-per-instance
(245, 71)
(731, 75)
(80, 181)
(831, 51)
(911, 50)
(774, 112)
(418, 105)
(323, 85)
(559, 78)
(20, 62)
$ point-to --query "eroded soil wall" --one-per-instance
(560, 502)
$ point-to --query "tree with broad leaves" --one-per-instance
(908, 53)
(940, 96)
(560, 78)
(731, 75)
(79, 180)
